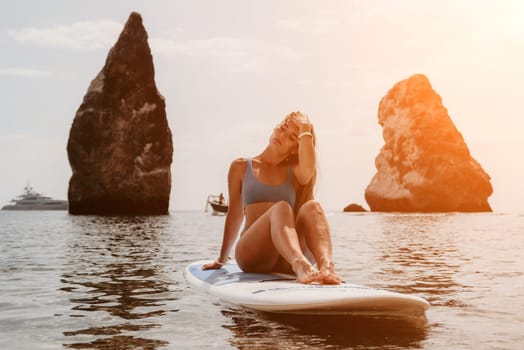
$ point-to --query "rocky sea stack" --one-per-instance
(120, 147)
(425, 165)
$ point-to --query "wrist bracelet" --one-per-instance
(305, 133)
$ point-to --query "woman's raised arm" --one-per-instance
(305, 169)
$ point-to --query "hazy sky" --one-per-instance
(231, 70)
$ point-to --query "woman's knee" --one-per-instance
(282, 209)
(311, 208)
(311, 217)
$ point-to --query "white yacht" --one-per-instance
(32, 200)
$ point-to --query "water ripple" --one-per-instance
(116, 283)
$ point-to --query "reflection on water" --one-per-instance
(116, 276)
(254, 330)
(419, 256)
(117, 283)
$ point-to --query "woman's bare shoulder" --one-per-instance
(238, 166)
(239, 162)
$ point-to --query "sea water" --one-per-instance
(116, 283)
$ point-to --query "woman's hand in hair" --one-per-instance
(301, 121)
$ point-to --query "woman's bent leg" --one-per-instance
(271, 244)
(313, 224)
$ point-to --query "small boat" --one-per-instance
(31, 200)
(218, 203)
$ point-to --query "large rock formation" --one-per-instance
(120, 146)
(424, 166)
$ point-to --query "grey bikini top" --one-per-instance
(254, 191)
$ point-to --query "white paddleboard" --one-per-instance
(280, 293)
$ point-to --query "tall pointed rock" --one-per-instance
(424, 165)
(120, 147)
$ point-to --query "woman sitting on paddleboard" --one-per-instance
(284, 225)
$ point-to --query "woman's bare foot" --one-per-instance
(305, 272)
(327, 271)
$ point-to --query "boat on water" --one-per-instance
(32, 200)
(218, 203)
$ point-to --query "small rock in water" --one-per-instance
(353, 207)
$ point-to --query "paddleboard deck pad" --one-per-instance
(280, 293)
